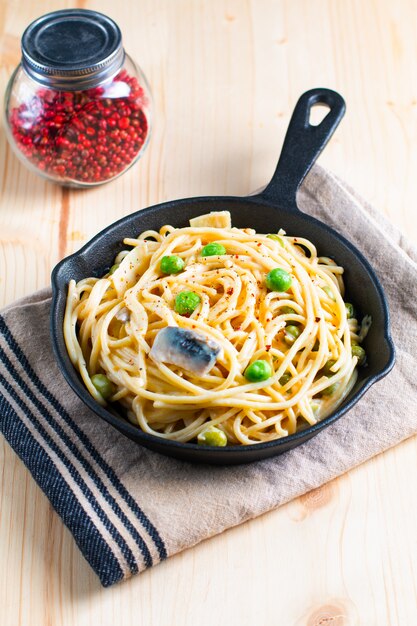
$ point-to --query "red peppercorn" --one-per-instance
(81, 135)
(124, 122)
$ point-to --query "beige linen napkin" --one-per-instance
(129, 508)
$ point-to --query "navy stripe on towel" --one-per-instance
(75, 475)
(91, 543)
(107, 469)
(73, 448)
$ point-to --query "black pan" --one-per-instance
(273, 208)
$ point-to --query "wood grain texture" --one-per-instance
(225, 76)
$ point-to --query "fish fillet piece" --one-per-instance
(186, 349)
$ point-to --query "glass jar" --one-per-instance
(78, 109)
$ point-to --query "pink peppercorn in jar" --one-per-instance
(78, 109)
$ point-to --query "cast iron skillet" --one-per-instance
(273, 208)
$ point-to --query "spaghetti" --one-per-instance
(111, 325)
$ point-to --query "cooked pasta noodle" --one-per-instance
(111, 324)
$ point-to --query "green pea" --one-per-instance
(213, 249)
(287, 310)
(114, 268)
(278, 280)
(330, 390)
(186, 302)
(212, 436)
(359, 352)
(103, 385)
(258, 371)
(291, 334)
(277, 238)
(285, 378)
(350, 310)
(171, 264)
(326, 368)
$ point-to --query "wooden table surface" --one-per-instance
(225, 75)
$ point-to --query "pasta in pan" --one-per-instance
(216, 334)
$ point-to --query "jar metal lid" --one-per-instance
(72, 49)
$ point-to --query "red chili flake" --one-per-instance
(318, 319)
(81, 135)
(229, 291)
(193, 326)
(258, 244)
(267, 348)
(236, 256)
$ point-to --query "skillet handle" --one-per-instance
(302, 145)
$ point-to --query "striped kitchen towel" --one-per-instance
(129, 508)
